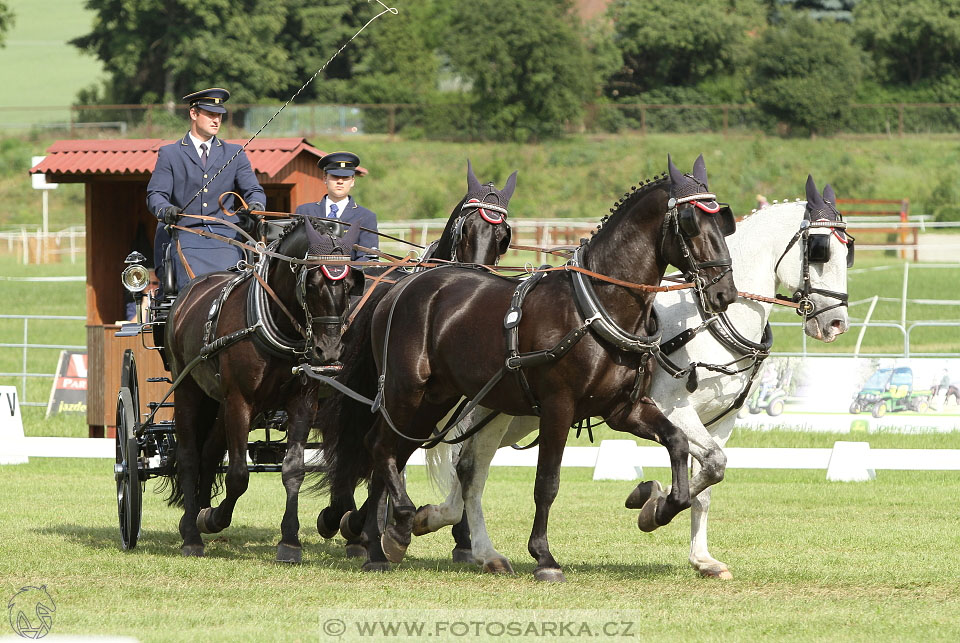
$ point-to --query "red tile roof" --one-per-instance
(138, 156)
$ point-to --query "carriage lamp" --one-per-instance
(135, 276)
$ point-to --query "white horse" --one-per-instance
(801, 246)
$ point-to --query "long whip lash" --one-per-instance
(386, 9)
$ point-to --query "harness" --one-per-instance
(490, 212)
(807, 308)
(752, 354)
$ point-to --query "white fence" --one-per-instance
(846, 461)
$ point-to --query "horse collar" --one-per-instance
(590, 307)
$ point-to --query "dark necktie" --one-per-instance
(203, 155)
(333, 211)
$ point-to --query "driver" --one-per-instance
(183, 169)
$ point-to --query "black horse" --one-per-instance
(476, 232)
(233, 343)
(577, 347)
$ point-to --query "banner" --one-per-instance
(845, 394)
(69, 391)
(11, 427)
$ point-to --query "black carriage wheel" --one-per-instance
(126, 472)
(128, 378)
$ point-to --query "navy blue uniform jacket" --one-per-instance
(178, 176)
(352, 213)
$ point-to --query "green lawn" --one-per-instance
(38, 67)
(812, 560)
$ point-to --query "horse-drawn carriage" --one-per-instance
(146, 446)
(200, 333)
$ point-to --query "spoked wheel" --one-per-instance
(126, 470)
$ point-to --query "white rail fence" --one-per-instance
(618, 459)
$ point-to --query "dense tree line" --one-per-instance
(524, 69)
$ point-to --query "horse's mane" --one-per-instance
(290, 227)
(637, 192)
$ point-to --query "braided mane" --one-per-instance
(300, 220)
(627, 200)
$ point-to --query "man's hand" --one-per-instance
(256, 206)
(248, 222)
(169, 214)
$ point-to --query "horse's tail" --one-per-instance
(171, 482)
(440, 461)
(342, 423)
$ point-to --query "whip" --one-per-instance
(386, 9)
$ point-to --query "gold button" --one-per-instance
(204, 205)
(204, 176)
(205, 190)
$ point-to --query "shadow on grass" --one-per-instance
(234, 543)
(258, 545)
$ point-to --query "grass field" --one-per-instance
(812, 560)
(38, 67)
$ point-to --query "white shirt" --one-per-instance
(341, 205)
(196, 144)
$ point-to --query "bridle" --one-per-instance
(490, 212)
(681, 219)
(333, 324)
(815, 250)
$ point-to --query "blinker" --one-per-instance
(687, 218)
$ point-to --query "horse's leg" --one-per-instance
(301, 409)
(236, 417)
(644, 419)
(554, 425)
(430, 518)
(376, 559)
(700, 557)
(352, 523)
(188, 415)
(473, 470)
(214, 446)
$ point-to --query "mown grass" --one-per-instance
(812, 560)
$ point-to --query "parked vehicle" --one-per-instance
(890, 389)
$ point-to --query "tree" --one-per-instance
(6, 20)
(680, 43)
(911, 40)
(524, 61)
(806, 72)
(157, 50)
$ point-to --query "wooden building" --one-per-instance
(116, 173)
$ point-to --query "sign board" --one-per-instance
(855, 395)
(69, 391)
(11, 427)
(40, 180)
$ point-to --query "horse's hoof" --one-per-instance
(714, 571)
(501, 566)
(549, 575)
(462, 555)
(345, 530)
(192, 550)
(355, 551)
(323, 529)
(643, 492)
(289, 553)
(647, 520)
(205, 522)
(371, 566)
(392, 549)
(421, 521)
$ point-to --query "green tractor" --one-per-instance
(890, 389)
